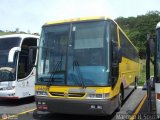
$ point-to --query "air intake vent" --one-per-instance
(76, 94)
(58, 94)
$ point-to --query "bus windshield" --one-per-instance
(7, 69)
(74, 55)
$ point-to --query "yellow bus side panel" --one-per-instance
(128, 71)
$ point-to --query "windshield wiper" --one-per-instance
(6, 76)
(80, 77)
(57, 70)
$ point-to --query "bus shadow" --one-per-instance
(70, 117)
(50, 116)
(128, 93)
(8, 102)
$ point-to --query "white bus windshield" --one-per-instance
(8, 43)
(7, 69)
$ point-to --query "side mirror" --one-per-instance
(117, 51)
(32, 49)
(119, 54)
(12, 53)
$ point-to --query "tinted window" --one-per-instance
(8, 43)
(52, 54)
(88, 44)
(73, 54)
(114, 40)
(88, 37)
(128, 50)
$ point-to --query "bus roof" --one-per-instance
(158, 25)
(77, 20)
(19, 35)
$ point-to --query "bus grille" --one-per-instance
(62, 94)
(76, 94)
(57, 93)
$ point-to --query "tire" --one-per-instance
(36, 114)
(120, 99)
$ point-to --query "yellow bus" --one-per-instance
(85, 66)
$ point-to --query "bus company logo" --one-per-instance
(65, 94)
(39, 88)
(42, 88)
(4, 116)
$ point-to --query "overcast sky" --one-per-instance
(32, 14)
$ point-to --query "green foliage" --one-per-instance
(138, 27)
(5, 33)
(142, 78)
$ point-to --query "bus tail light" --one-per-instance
(41, 105)
(158, 96)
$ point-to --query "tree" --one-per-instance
(137, 28)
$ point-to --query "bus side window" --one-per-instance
(114, 53)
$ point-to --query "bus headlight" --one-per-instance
(97, 96)
(41, 93)
(8, 88)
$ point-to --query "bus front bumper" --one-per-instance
(8, 94)
(74, 106)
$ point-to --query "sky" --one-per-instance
(30, 15)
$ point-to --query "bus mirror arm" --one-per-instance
(12, 53)
(35, 66)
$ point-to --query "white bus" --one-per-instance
(157, 69)
(17, 65)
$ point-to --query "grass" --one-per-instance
(142, 77)
(5, 33)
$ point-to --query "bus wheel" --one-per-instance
(120, 99)
(36, 114)
(135, 83)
